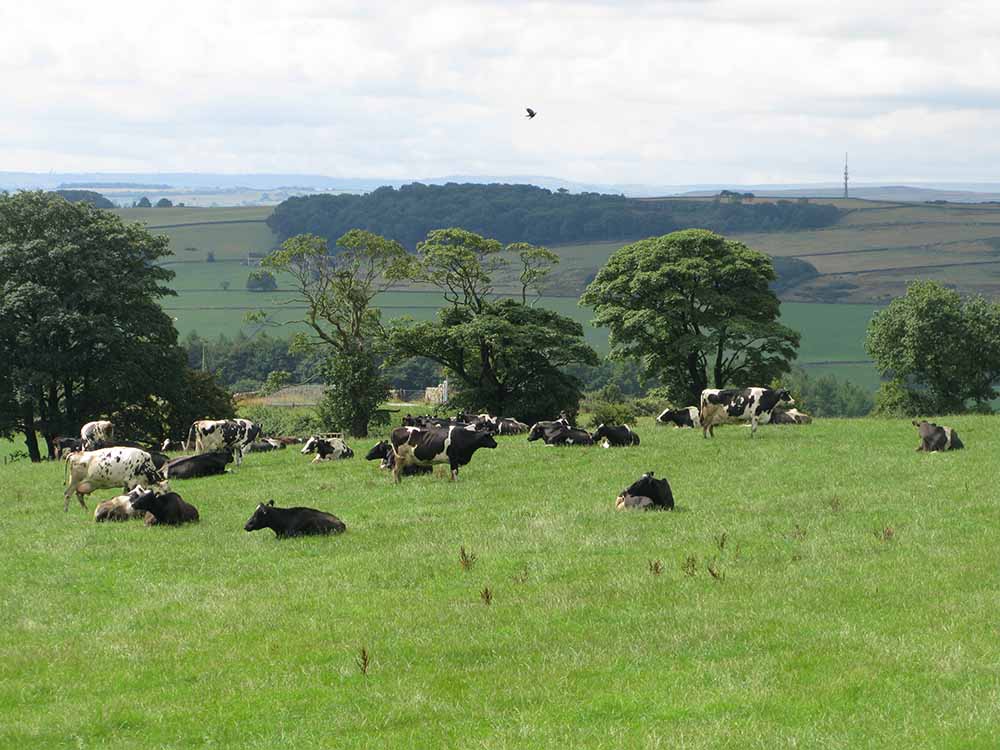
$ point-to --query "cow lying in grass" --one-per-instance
(286, 522)
(383, 451)
(615, 435)
(327, 449)
(646, 493)
(937, 438)
(168, 509)
(202, 465)
(120, 508)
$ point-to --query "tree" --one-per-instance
(337, 291)
(81, 330)
(261, 281)
(694, 308)
(143, 202)
(939, 351)
(224, 285)
(164, 203)
(507, 357)
(536, 263)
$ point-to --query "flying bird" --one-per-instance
(531, 113)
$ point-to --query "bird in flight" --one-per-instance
(531, 113)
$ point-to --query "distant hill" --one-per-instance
(86, 196)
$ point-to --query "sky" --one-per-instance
(683, 92)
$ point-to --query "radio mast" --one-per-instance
(845, 174)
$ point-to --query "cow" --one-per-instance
(454, 446)
(646, 493)
(615, 435)
(540, 429)
(937, 437)
(261, 446)
(559, 433)
(208, 435)
(327, 449)
(686, 417)
(66, 445)
(119, 508)
(289, 440)
(286, 522)
(789, 416)
(168, 509)
(107, 467)
(383, 450)
(96, 435)
(510, 426)
(202, 465)
(754, 404)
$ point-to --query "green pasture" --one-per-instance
(852, 602)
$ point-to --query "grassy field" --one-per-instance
(855, 604)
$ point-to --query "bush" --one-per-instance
(284, 421)
(608, 412)
(261, 281)
(894, 399)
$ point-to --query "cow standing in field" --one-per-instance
(453, 445)
(753, 404)
(616, 435)
(937, 438)
(96, 435)
(286, 522)
(687, 417)
(211, 435)
(108, 467)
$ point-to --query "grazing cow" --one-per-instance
(383, 450)
(119, 508)
(686, 417)
(646, 493)
(66, 445)
(95, 435)
(616, 435)
(107, 467)
(210, 435)
(327, 449)
(937, 437)
(454, 446)
(286, 522)
(168, 509)
(754, 404)
(789, 416)
(202, 465)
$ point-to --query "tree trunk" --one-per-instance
(359, 425)
(698, 378)
(30, 438)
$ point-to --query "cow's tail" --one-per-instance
(66, 468)
(190, 438)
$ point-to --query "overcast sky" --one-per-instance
(627, 92)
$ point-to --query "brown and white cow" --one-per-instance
(108, 467)
(97, 434)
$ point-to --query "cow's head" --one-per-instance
(485, 440)
(147, 501)
(381, 449)
(536, 433)
(784, 395)
(310, 446)
(260, 517)
(600, 432)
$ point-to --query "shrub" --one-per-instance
(608, 412)
(283, 420)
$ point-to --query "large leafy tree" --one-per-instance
(82, 334)
(337, 290)
(508, 358)
(938, 351)
(696, 309)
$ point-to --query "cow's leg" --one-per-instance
(397, 467)
(454, 472)
(753, 426)
(70, 488)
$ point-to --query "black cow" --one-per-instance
(66, 445)
(286, 522)
(383, 450)
(687, 417)
(937, 438)
(754, 404)
(616, 435)
(454, 446)
(202, 465)
(159, 460)
(646, 493)
(166, 509)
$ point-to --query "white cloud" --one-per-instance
(665, 92)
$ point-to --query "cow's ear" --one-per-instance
(271, 503)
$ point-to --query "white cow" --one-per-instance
(211, 435)
(327, 449)
(96, 434)
(108, 467)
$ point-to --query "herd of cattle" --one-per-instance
(95, 461)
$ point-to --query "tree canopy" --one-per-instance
(938, 351)
(81, 329)
(508, 358)
(695, 308)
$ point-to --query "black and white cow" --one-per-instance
(286, 522)
(686, 417)
(646, 493)
(559, 433)
(97, 434)
(327, 449)
(539, 430)
(168, 509)
(452, 445)
(383, 450)
(108, 467)
(209, 435)
(789, 416)
(615, 435)
(937, 437)
(753, 404)
(202, 465)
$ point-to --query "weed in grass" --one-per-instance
(363, 661)
(690, 565)
(521, 576)
(655, 567)
(487, 596)
(715, 572)
(798, 533)
(466, 559)
(720, 541)
(834, 503)
(885, 534)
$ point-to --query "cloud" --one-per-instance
(656, 92)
